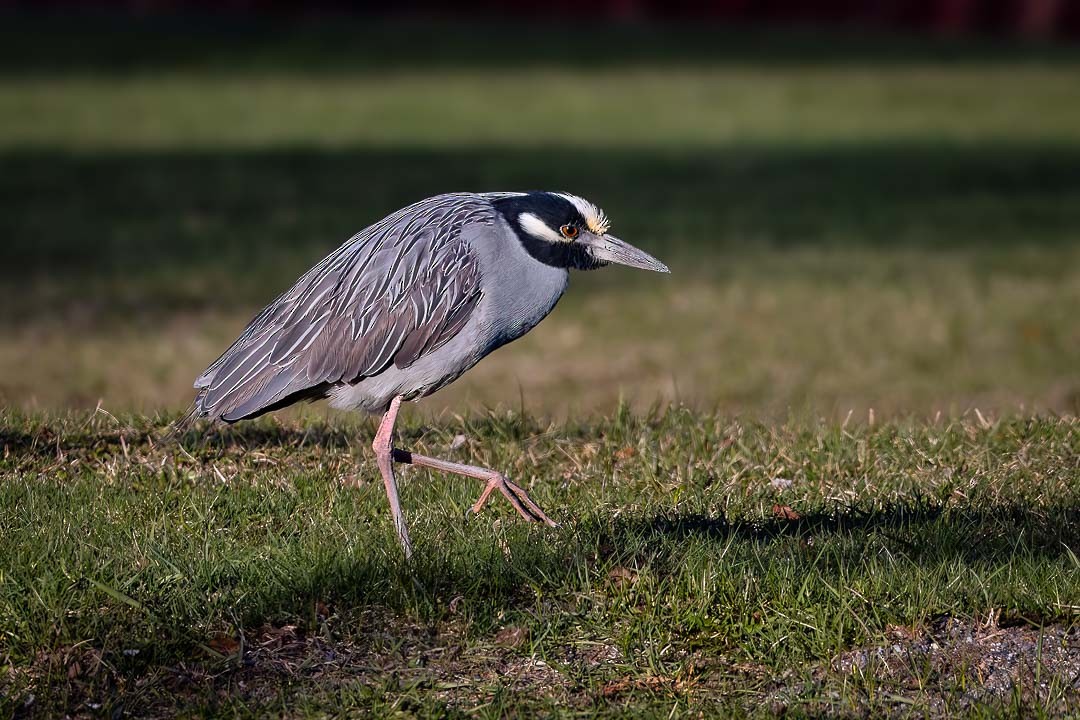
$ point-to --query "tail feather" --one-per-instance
(186, 421)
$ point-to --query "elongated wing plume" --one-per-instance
(393, 293)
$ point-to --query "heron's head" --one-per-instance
(567, 231)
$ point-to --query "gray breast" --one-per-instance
(519, 291)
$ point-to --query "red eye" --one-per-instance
(569, 231)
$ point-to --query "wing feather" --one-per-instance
(390, 295)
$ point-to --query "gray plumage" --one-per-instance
(405, 307)
(396, 291)
(402, 308)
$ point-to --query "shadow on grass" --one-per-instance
(138, 235)
(46, 443)
(1047, 531)
(494, 579)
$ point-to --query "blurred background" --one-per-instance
(864, 204)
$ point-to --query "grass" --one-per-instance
(828, 466)
(909, 279)
(587, 109)
(673, 555)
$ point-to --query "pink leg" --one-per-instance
(495, 481)
(383, 446)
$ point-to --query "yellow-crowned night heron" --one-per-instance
(408, 305)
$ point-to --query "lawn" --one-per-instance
(830, 465)
(703, 561)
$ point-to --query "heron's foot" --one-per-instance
(525, 505)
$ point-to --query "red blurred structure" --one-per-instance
(1033, 18)
(1025, 18)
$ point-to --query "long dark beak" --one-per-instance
(610, 249)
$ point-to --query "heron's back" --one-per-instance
(395, 292)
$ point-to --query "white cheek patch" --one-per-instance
(538, 228)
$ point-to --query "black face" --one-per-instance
(558, 214)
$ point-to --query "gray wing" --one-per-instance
(393, 293)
